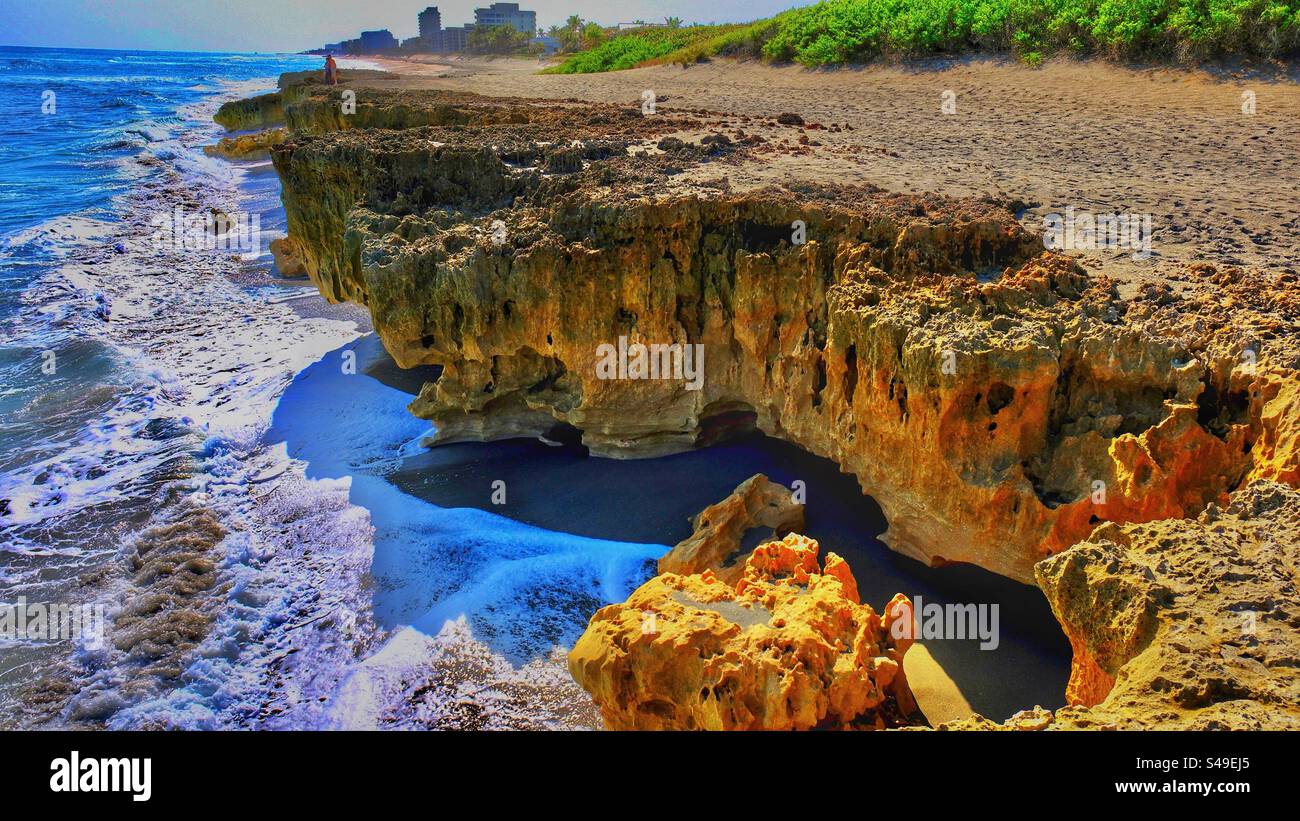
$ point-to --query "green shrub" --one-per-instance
(842, 31)
(635, 48)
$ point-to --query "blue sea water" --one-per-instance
(83, 129)
(107, 390)
(75, 118)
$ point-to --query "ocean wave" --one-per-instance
(169, 372)
(21, 62)
(195, 396)
(119, 144)
(151, 131)
(453, 681)
(58, 236)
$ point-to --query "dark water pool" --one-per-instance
(651, 500)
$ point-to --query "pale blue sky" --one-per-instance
(295, 25)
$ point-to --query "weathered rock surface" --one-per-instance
(787, 647)
(286, 258)
(997, 401)
(758, 502)
(260, 112)
(1181, 624)
(247, 146)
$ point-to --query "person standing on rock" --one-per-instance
(331, 71)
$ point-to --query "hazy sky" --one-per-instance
(295, 25)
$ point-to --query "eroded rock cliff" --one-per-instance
(1018, 401)
(998, 401)
(247, 146)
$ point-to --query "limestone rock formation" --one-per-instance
(286, 259)
(999, 402)
(247, 146)
(758, 502)
(1181, 624)
(262, 111)
(996, 400)
(786, 647)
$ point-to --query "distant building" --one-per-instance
(430, 23)
(333, 48)
(373, 42)
(549, 44)
(507, 14)
(455, 39)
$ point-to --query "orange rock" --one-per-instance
(837, 567)
(789, 647)
(1277, 452)
(1184, 623)
(720, 528)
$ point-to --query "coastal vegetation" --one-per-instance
(835, 32)
(639, 47)
(502, 39)
(580, 35)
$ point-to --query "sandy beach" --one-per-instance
(1218, 183)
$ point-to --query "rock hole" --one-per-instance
(821, 383)
(1217, 412)
(757, 238)
(1000, 395)
(850, 373)
(564, 435)
(724, 420)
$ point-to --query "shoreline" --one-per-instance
(179, 456)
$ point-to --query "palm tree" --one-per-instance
(570, 36)
(673, 22)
